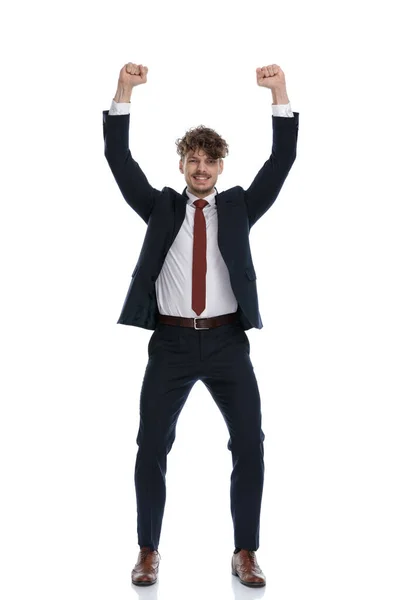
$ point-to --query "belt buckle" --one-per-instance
(199, 328)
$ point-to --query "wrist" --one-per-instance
(279, 96)
(123, 94)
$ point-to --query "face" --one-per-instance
(197, 163)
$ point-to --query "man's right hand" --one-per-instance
(132, 75)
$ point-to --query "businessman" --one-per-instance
(194, 286)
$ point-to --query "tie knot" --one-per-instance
(200, 203)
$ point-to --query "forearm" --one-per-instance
(279, 96)
(123, 94)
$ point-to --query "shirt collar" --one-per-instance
(210, 198)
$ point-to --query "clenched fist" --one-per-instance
(132, 75)
(271, 77)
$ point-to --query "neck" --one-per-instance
(200, 194)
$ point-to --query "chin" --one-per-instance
(202, 189)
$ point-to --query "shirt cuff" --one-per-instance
(282, 110)
(119, 108)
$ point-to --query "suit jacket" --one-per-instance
(164, 211)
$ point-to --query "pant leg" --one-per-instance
(231, 380)
(166, 385)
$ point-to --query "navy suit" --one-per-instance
(180, 356)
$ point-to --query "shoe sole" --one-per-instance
(144, 582)
(248, 583)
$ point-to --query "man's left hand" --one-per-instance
(271, 77)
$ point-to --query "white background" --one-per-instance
(326, 257)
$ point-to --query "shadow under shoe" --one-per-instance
(245, 566)
(145, 571)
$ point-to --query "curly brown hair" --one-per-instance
(202, 138)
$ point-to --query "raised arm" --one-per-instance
(268, 182)
(131, 180)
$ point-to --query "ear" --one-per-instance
(181, 166)
(221, 166)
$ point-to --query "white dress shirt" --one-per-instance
(174, 283)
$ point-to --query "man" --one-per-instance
(195, 286)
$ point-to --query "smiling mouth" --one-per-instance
(201, 179)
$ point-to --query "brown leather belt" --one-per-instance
(200, 322)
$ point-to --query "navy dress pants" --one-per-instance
(220, 358)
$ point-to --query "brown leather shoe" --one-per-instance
(146, 569)
(245, 566)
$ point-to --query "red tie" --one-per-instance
(199, 258)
